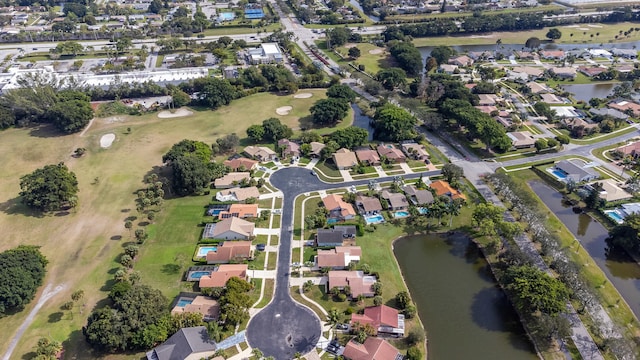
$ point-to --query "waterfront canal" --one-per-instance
(466, 314)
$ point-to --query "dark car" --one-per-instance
(261, 247)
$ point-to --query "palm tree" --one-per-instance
(215, 331)
(333, 317)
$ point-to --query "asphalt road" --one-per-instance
(285, 327)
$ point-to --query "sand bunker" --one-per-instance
(302, 96)
(106, 140)
(376, 51)
(350, 45)
(594, 26)
(176, 113)
(284, 110)
(583, 29)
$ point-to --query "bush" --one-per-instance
(414, 353)
(416, 336)
(342, 297)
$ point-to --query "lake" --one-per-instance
(586, 92)
(466, 314)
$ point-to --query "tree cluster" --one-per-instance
(407, 56)
(50, 188)
(271, 130)
(392, 123)
(191, 167)
(350, 137)
(21, 273)
(235, 302)
(329, 111)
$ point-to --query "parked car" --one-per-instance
(261, 247)
(342, 327)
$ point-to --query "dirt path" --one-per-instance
(46, 295)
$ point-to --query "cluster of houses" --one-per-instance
(345, 159)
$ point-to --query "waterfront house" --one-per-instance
(368, 205)
(626, 107)
(339, 210)
(372, 348)
(338, 258)
(222, 274)
(357, 281)
(396, 201)
(384, 319)
(565, 72)
(538, 88)
(418, 197)
(462, 60)
(576, 170)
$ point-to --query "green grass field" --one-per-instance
(83, 245)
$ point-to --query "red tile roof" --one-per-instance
(225, 272)
(372, 349)
(377, 316)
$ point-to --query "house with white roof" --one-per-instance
(267, 53)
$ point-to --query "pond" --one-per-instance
(362, 121)
(586, 92)
(619, 268)
(357, 5)
(466, 314)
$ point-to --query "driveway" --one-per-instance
(285, 327)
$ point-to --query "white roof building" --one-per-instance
(600, 53)
(266, 53)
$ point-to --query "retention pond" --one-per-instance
(466, 314)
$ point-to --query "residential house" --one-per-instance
(373, 349)
(442, 187)
(418, 197)
(565, 112)
(481, 55)
(528, 72)
(241, 163)
(526, 55)
(368, 205)
(385, 320)
(487, 99)
(625, 53)
(338, 258)
(521, 139)
(610, 190)
(613, 113)
(203, 305)
(551, 99)
(224, 272)
(339, 210)
(487, 109)
(448, 69)
(289, 148)
(600, 53)
(626, 107)
(238, 194)
(326, 238)
(396, 201)
(632, 149)
(565, 72)
(190, 343)
(357, 281)
(368, 157)
(538, 88)
(591, 71)
(240, 210)
(316, 149)
(415, 151)
(462, 60)
(392, 153)
(552, 54)
(261, 153)
(571, 123)
(345, 159)
(232, 228)
(230, 251)
(231, 179)
(576, 171)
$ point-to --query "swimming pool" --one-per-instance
(203, 250)
(423, 211)
(401, 214)
(615, 215)
(215, 212)
(374, 219)
(559, 174)
(182, 302)
(199, 274)
(332, 221)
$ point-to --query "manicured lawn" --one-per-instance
(365, 170)
(269, 284)
(328, 168)
(274, 240)
(308, 254)
(272, 261)
(258, 262)
(260, 239)
(222, 30)
(607, 34)
(295, 255)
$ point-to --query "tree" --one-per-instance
(255, 133)
(552, 143)
(72, 48)
(627, 234)
(180, 98)
(71, 116)
(392, 123)
(354, 52)
(274, 130)
(452, 172)
(553, 34)
(563, 139)
(49, 188)
(442, 53)
(257, 353)
(155, 6)
(430, 64)
(534, 290)
(341, 91)
(416, 336)
(190, 175)
(228, 143)
(215, 93)
(407, 56)
(21, 273)
(329, 111)
(532, 43)
(338, 36)
(392, 78)
(541, 144)
(402, 300)
(350, 137)
(47, 349)
(185, 147)
(123, 44)
(414, 353)
(593, 200)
